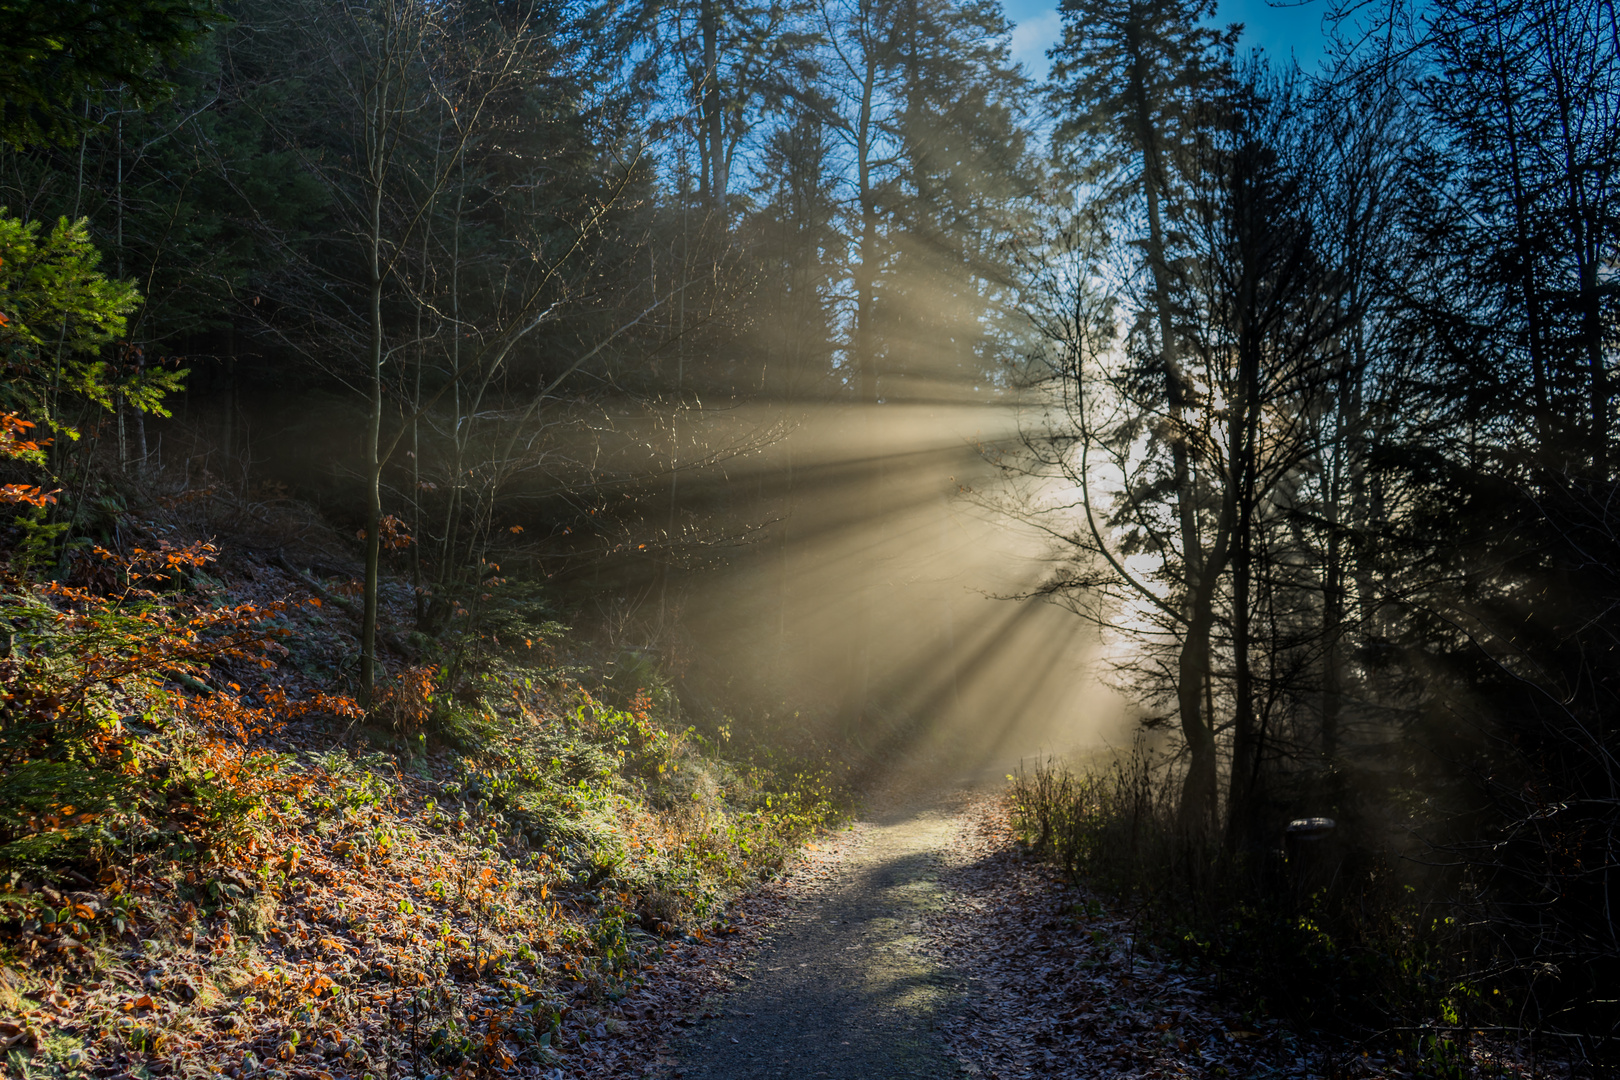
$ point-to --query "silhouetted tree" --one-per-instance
(1132, 81)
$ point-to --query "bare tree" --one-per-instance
(416, 99)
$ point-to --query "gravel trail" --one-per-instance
(845, 987)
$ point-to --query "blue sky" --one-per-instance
(1279, 30)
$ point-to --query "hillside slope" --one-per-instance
(212, 861)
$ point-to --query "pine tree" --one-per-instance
(1132, 80)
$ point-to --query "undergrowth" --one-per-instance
(209, 864)
(1316, 933)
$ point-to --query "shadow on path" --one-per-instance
(844, 989)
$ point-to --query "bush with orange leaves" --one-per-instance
(117, 734)
(406, 702)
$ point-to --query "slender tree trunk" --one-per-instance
(1199, 787)
(713, 117)
(1245, 734)
(1199, 791)
(418, 582)
(1585, 247)
(866, 361)
(792, 359)
(1244, 440)
(373, 432)
(784, 547)
(452, 509)
(1334, 572)
(418, 586)
(140, 417)
(1346, 482)
(1366, 496)
(1597, 371)
(1153, 181)
(672, 523)
(1535, 337)
(227, 438)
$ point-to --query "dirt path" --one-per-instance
(845, 986)
(924, 943)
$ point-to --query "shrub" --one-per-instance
(114, 729)
(1344, 948)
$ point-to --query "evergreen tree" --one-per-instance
(1132, 83)
(53, 54)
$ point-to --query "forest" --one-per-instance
(509, 504)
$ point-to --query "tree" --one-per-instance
(1255, 316)
(1265, 334)
(1528, 93)
(58, 312)
(1131, 81)
(405, 139)
(1503, 460)
(800, 255)
(52, 53)
(738, 61)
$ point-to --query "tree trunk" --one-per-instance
(1535, 334)
(227, 438)
(1244, 441)
(1199, 792)
(866, 361)
(1199, 787)
(373, 433)
(713, 119)
(1334, 574)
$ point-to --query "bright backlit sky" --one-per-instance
(1279, 30)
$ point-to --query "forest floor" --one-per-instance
(922, 941)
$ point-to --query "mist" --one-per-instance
(888, 594)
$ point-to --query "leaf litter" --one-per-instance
(349, 926)
(383, 920)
